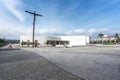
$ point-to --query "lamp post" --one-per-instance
(34, 19)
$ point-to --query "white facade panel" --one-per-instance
(73, 40)
(41, 39)
(76, 40)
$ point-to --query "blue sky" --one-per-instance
(61, 17)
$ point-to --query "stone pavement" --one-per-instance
(88, 62)
(9, 47)
(25, 65)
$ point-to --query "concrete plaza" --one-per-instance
(25, 65)
(51, 63)
(88, 62)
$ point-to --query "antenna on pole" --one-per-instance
(34, 19)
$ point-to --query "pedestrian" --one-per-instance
(10, 46)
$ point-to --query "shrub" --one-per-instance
(3, 42)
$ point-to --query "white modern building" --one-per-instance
(57, 40)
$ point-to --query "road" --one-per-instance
(90, 62)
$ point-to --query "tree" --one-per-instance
(23, 43)
(100, 35)
(117, 38)
(116, 35)
(3, 42)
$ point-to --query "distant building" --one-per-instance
(109, 37)
(57, 40)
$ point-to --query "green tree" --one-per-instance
(117, 35)
(23, 43)
(117, 38)
(100, 35)
(3, 42)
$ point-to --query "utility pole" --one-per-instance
(34, 19)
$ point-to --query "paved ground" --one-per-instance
(10, 47)
(90, 63)
(25, 65)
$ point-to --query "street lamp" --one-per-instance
(34, 19)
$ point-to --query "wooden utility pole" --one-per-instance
(34, 19)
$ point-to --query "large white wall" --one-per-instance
(76, 40)
(73, 40)
(41, 39)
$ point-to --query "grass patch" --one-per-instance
(2, 44)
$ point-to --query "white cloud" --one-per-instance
(12, 6)
(92, 31)
(13, 31)
(79, 31)
(46, 31)
(75, 32)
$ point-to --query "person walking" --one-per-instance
(10, 45)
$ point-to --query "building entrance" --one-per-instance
(54, 43)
